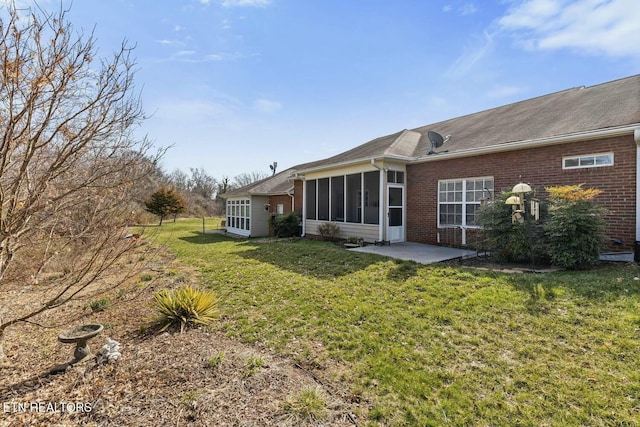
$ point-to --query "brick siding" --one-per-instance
(284, 200)
(539, 167)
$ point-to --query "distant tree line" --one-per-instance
(192, 194)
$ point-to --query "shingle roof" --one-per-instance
(577, 110)
(572, 111)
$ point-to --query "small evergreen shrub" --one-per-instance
(185, 306)
(285, 225)
(100, 304)
(508, 241)
(329, 231)
(575, 227)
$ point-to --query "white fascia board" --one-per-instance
(354, 162)
(533, 143)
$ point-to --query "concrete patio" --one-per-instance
(418, 252)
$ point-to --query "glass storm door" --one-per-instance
(395, 213)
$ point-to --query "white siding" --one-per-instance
(369, 232)
(259, 216)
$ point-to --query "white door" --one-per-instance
(395, 213)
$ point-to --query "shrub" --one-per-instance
(285, 225)
(185, 306)
(508, 241)
(329, 231)
(100, 304)
(575, 228)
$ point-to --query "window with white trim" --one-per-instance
(587, 161)
(239, 214)
(459, 200)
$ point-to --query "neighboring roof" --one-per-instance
(276, 184)
(573, 111)
(273, 185)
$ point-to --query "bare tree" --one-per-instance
(247, 178)
(202, 184)
(68, 161)
(179, 180)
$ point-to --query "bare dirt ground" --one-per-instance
(197, 378)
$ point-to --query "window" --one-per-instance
(459, 201)
(280, 209)
(337, 198)
(354, 198)
(311, 199)
(238, 214)
(371, 200)
(351, 198)
(323, 199)
(588, 161)
(395, 177)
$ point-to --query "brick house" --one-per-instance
(401, 187)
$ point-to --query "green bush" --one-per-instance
(329, 231)
(100, 304)
(286, 225)
(508, 241)
(185, 306)
(575, 228)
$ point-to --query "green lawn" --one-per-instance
(434, 345)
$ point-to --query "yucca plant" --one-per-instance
(185, 306)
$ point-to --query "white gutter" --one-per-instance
(356, 161)
(532, 143)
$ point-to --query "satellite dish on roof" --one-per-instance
(436, 140)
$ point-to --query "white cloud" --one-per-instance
(166, 42)
(243, 3)
(467, 9)
(471, 56)
(266, 106)
(194, 111)
(464, 10)
(609, 27)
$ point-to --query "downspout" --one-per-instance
(293, 200)
(382, 203)
(636, 138)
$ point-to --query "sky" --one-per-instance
(234, 85)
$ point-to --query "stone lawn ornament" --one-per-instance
(110, 351)
(78, 336)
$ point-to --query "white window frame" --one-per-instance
(463, 199)
(589, 160)
(239, 215)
